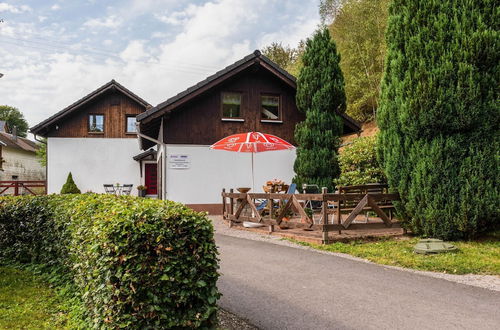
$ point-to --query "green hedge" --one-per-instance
(135, 263)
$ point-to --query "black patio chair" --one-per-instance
(109, 189)
(127, 188)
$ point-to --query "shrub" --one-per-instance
(70, 186)
(135, 263)
(359, 164)
(320, 94)
(438, 115)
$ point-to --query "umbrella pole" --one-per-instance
(253, 178)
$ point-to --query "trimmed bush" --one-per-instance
(135, 263)
(70, 186)
(359, 164)
(439, 115)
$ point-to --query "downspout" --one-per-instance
(163, 161)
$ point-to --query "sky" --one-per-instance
(53, 52)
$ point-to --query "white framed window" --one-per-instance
(96, 123)
(270, 107)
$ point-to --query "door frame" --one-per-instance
(143, 179)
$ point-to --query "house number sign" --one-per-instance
(176, 161)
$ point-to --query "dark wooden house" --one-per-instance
(253, 94)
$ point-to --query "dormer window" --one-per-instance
(231, 105)
(96, 123)
(270, 108)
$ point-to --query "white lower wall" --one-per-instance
(93, 162)
(212, 170)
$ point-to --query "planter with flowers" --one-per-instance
(142, 190)
(275, 186)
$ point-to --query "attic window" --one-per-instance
(96, 123)
(231, 105)
(270, 107)
(131, 124)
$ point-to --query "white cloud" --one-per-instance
(207, 37)
(290, 34)
(111, 22)
(5, 7)
(55, 7)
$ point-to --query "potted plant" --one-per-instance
(142, 190)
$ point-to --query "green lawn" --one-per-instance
(28, 303)
(475, 257)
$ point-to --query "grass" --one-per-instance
(26, 302)
(474, 257)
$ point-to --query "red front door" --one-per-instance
(150, 179)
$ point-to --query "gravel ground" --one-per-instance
(490, 282)
(229, 321)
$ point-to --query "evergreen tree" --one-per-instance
(70, 186)
(439, 115)
(320, 94)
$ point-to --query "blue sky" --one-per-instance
(54, 52)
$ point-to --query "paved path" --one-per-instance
(280, 287)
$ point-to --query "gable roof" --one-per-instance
(222, 75)
(218, 77)
(110, 86)
(7, 140)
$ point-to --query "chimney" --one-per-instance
(14, 133)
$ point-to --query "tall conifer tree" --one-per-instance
(439, 115)
(320, 94)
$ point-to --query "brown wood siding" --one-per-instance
(115, 107)
(200, 121)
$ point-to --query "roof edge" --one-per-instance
(89, 97)
(251, 57)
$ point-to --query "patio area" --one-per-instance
(353, 212)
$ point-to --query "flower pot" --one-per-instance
(142, 193)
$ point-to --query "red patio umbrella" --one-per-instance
(252, 142)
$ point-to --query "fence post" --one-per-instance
(223, 203)
(231, 207)
(16, 188)
(325, 215)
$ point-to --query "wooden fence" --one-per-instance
(17, 187)
(324, 210)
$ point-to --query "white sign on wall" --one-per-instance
(177, 161)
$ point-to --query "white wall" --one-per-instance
(212, 170)
(22, 163)
(93, 162)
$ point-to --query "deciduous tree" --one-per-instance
(13, 117)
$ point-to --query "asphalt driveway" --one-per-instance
(280, 287)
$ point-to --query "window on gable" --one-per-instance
(231, 105)
(96, 123)
(131, 128)
(270, 107)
